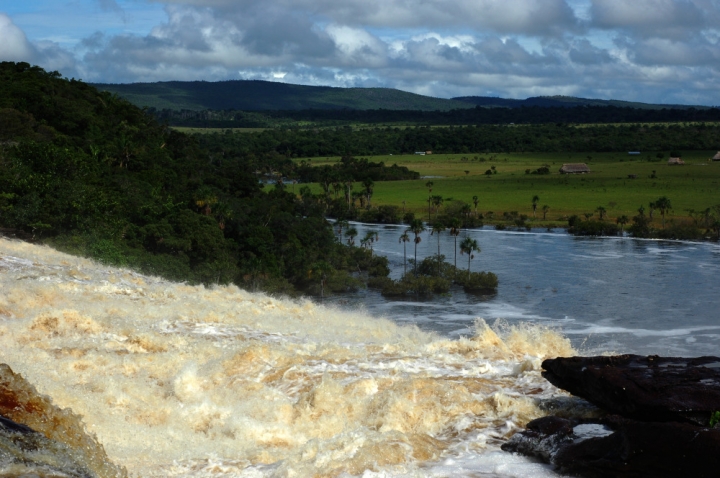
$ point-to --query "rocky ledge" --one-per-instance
(662, 423)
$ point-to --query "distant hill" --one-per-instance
(255, 95)
(563, 102)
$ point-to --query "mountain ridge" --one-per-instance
(260, 95)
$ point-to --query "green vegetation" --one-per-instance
(254, 95)
(472, 141)
(92, 174)
(714, 419)
(618, 182)
(435, 276)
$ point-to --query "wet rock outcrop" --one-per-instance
(663, 421)
(40, 439)
(25, 452)
(643, 388)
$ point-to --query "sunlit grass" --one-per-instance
(462, 176)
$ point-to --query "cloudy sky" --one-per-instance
(659, 51)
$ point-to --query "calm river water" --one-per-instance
(606, 294)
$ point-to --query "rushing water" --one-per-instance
(176, 380)
(606, 294)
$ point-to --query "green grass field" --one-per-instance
(460, 177)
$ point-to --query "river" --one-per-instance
(186, 381)
(609, 294)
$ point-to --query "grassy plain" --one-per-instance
(694, 185)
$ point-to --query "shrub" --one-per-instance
(593, 228)
(381, 215)
(477, 281)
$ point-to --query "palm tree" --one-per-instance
(653, 206)
(438, 227)
(535, 200)
(664, 205)
(351, 232)
(622, 220)
(429, 185)
(404, 239)
(347, 188)
(437, 202)
(342, 223)
(545, 209)
(601, 210)
(321, 270)
(417, 227)
(222, 213)
(468, 246)
(455, 231)
(368, 184)
(475, 202)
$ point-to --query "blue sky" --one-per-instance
(660, 51)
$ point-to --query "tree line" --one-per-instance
(470, 116)
(550, 138)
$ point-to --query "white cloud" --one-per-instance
(541, 17)
(14, 46)
(656, 18)
(659, 50)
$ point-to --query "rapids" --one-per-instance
(179, 380)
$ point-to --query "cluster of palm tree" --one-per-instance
(468, 245)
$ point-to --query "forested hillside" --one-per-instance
(255, 95)
(91, 173)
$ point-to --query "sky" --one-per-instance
(653, 51)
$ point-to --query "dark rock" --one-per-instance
(619, 447)
(25, 452)
(651, 388)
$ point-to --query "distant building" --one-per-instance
(716, 157)
(675, 161)
(633, 153)
(574, 168)
(428, 152)
(420, 153)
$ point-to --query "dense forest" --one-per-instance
(93, 174)
(552, 137)
(532, 114)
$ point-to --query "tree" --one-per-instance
(417, 227)
(351, 232)
(601, 211)
(653, 206)
(664, 205)
(369, 185)
(535, 200)
(320, 270)
(347, 189)
(341, 223)
(455, 232)
(437, 202)
(622, 220)
(468, 246)
(404, 239)
(429, 185)
(475, 202)
(545, 209)
(438, 227)
(367, 241)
